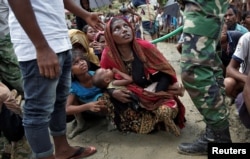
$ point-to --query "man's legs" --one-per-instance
(202, 77)
(45, 108)
(39, 104)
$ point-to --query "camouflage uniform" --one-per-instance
(202, 73)
(10, 73)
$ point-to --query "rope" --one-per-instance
(169, 35)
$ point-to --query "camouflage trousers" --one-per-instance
(10, 73)
(202, 76)
(14, 150)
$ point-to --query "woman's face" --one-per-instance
(79, 65)
(121, 32)
(91, 33)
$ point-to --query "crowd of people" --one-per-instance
(110, 68)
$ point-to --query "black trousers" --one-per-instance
(11, 125)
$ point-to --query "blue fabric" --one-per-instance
(233, 37)
(44, 107)
(85, 95)
(237, 59)
(241, 28)
(137, 3)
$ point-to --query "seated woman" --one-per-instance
(143, 61)
(80, 43)
(84, 96)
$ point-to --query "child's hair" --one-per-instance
(78, 53)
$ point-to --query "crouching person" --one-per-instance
(13, 142)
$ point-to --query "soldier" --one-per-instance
(202, 73)
(10, 73)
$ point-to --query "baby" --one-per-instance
(105, 78)
(146, 98)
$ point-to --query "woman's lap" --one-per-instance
(139, 121)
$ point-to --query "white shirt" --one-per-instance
(242, 52)
(50, 16)
(159, 19)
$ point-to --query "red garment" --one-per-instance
(151, 57)
(153, 61)
(152, 100)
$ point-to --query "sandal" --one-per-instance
(83, 152)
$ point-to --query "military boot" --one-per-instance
(199, 146)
